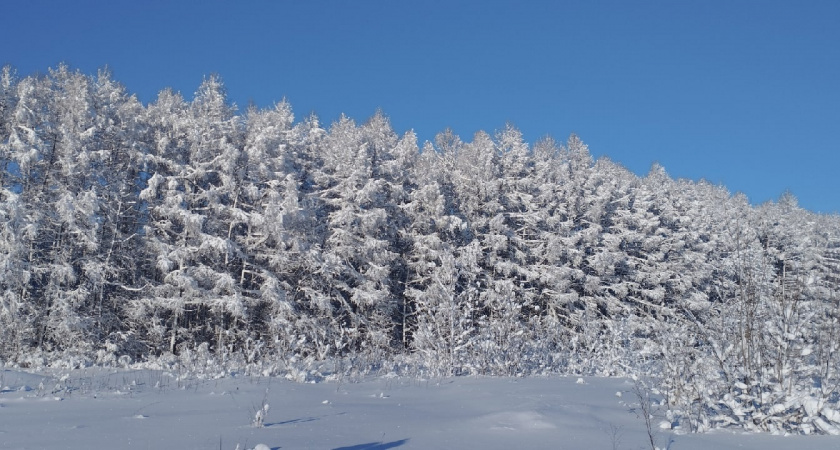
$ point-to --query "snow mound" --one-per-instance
(515, 420)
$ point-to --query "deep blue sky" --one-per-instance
(742, 93)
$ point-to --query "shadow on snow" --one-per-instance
(375, 445)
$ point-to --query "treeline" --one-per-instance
(135, 232)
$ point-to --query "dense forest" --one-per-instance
(188, 229)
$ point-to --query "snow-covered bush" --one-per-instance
(261, 412)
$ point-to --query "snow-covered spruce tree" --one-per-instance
(16, 313)
(118, 164)
(436, 322)
(192, 199)
(312, 330)
(394, 160)
(516, 233)
(154, 316)
(13, 276)
(681, 372)
(53, 143)
(8, 104)
(29, 148)
(475, 183)
(357, 253)
(548, 232)
(610, 299)
(584, 194)
(265, 215)
(665, 259)
(216, 178)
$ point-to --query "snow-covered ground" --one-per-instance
(153, 410)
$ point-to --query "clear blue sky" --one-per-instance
(743, 93)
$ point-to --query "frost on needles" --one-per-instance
(136, 232)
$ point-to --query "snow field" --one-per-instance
(149, 409)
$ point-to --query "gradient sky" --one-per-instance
(741, 93)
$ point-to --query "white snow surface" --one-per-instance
(145, 409)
